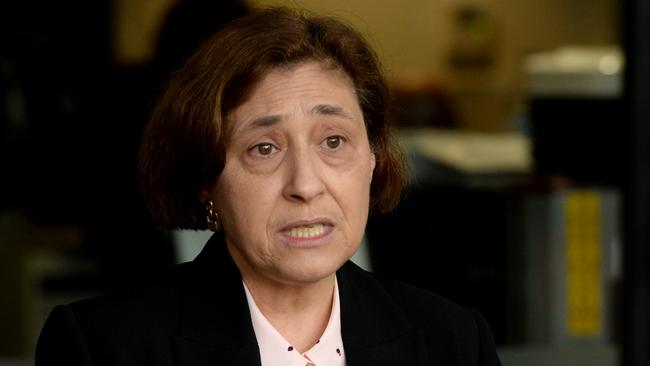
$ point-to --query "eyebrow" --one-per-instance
(264, 121)
(330, 110)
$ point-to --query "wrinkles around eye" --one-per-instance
(334, 142)
(263, 150)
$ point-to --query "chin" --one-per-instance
(313, 272)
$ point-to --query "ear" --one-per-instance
(373, 163)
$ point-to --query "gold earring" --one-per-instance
(212, 216)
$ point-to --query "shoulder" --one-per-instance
(448, 328)
(416, 303)
(137, 303)
(137, 318)
(424, 306)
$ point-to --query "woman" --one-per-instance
(274, 135)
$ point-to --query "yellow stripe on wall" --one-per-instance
(583, 263)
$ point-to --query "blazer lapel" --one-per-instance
(215, 328)
(375, 330)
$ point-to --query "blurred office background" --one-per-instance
(525, 124)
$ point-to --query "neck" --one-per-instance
(299, 312)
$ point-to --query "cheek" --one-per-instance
(245, 200)
(356, 194)
(231, 194)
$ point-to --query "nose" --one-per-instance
(304, 179)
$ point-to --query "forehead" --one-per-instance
(311, 75)
(314, 85)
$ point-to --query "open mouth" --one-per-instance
(306, 231)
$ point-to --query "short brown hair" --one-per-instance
(183, 147)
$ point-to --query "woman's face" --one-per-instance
(294, 193)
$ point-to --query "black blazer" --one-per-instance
(198, 315)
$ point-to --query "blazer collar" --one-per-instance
(216, 328)
(374, 328)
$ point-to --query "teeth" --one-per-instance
(309, 231)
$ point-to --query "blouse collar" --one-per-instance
(276, 350)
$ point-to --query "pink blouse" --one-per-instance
(275, 350)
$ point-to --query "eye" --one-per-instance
(264, 149)
(333, 142)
